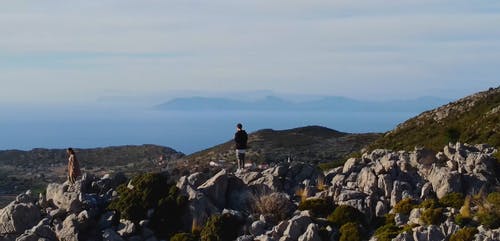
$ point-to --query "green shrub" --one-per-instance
(462, 221)
(454, 200)
(432, 216)
(489, 219)
(452, 135)
(220, 228)
(151, 191)
(350, 232)
(494, 199)
(184, 237)
(429, 203)
(346, 214)
(389, 218)
(404, 206)
(387, 232)
(489, 211)
(465, 234)
(318, 207)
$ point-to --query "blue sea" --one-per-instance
(185, 131)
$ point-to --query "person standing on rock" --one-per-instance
(240, 139)
(73, 166)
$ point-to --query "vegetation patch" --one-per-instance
(318, 207)
(404, 206)
(151, 191)
(220, 228)
(350, 232)
(455, 200)
(465, 234)
(432, 216)
(346, 214)
(387, 232)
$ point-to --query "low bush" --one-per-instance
(346, 214)
(220, 228)
(465, 234)
(404, 206)
(489, 211)
(429, 203)
(151, 191)
(184, 237)
(275, 205)
(432, 216)
(462, 221)
(454, 200)
(350, 232)
(319, 207)
(387, 232)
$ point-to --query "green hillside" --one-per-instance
(474, 119)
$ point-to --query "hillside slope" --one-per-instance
(474, 119)
(310, 144)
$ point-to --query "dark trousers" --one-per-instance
(241, 159)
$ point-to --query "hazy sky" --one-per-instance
(79, 51)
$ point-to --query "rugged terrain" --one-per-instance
(382, 195)
(314, 144)
(22, 170)
(473, 119)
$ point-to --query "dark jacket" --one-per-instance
(241, 138)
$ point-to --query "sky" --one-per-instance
(85, 51)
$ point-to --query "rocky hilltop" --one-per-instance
(382, 195)
(314, 144)
(473, 119)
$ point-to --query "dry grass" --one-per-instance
(465, 209)
(275, 205)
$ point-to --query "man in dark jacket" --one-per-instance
(240, 138)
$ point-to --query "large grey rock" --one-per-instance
(215, 188)
(443, 181)
(248, 177)
(42, 231)
(267, 183)
(380, 209)
(257, 228)
(297, 226)
(351, 165)
(429, 233)
(17, 217)
(415, 215)
(385, 184)
(63, 198)
(367, 181)
(68, 230)
(311, 234)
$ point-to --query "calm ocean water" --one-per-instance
(182, 130)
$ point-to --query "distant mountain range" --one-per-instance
(272, 103)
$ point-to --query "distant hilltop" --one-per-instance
(473, 119)
(332, 103)
(313, 144)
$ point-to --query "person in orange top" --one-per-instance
(73, 166)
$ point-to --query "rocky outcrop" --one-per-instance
(18, 216)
